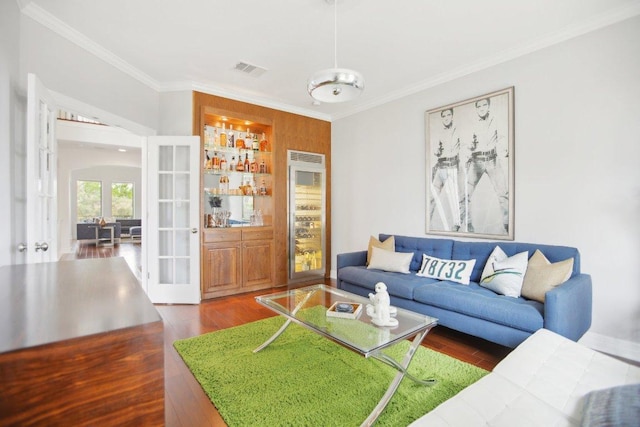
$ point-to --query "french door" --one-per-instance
(172, 243)
(41, 243)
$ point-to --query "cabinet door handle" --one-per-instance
(22, 247)
(194, 230)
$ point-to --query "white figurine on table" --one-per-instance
(381, 310)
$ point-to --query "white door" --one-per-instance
(171, 227)
(41, 158)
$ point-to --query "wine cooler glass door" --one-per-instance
(306, 222)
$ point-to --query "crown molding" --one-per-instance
(54, 24)
(602, 21)
(43, 17)
(256, 100)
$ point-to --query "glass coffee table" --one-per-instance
(307, 307)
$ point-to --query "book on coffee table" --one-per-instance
(345, 310)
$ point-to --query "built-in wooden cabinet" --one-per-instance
(249, 255)
(237, 260)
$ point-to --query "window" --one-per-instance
(89, 200)
(122, 200)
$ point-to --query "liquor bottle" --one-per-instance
(264, 144)
(223, 136)
(223, 163)
(263, 188)
(231, 142)
(240, 165)
(224, 184)
(263, 167)
(232, 165)
(207, 159)
(216, 138)
(207, 137)
(216, 161)
(255, 144)
(254, 166)
(247, 165)
(240, 141)
(247, 189)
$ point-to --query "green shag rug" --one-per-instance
(303, 379)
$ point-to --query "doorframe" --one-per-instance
(72, 105)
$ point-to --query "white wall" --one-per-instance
(176, 113)
(12, 115)
(66, 68)
(577, 143)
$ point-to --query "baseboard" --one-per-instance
(613, 346)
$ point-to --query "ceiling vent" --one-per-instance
(250, 69)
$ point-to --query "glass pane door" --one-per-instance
(173, 254)
(307, 222)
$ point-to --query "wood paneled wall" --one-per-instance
(290, 132)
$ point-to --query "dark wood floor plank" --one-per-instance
(186, 403)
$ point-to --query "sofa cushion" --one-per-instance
(397, 285)
(397, 262)
(440, 248)
(542, 276)
(389, 245)
(480, 251)
(444, 269)
(476, 301)
(561, 372)
(503, 274)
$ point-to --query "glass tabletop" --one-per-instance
(308, 307)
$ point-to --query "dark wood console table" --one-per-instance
(80, 344)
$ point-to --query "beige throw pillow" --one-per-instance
(387, 245)
(542, 276)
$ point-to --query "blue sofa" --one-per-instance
(471, 308)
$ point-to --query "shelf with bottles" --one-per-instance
(215, 163)
(308, 259)
(228, 134)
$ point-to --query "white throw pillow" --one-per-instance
(444, 269)
(388, 245)
(397, 262)
(504, 275)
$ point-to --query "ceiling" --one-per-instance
(400, 47)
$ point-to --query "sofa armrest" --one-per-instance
(352, 258)
(567, 308)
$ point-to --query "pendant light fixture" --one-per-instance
(335, 84)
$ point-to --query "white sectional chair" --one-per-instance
(547, 380)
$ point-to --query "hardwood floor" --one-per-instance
(185, 402)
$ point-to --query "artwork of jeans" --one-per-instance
(470, 167)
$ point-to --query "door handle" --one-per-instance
(194, 230)
(22, 247)
(44, 246)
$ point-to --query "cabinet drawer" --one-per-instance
(222, 235)
(258, 234)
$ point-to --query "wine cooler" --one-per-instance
(307, 215)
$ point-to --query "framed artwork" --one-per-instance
(470, 167)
